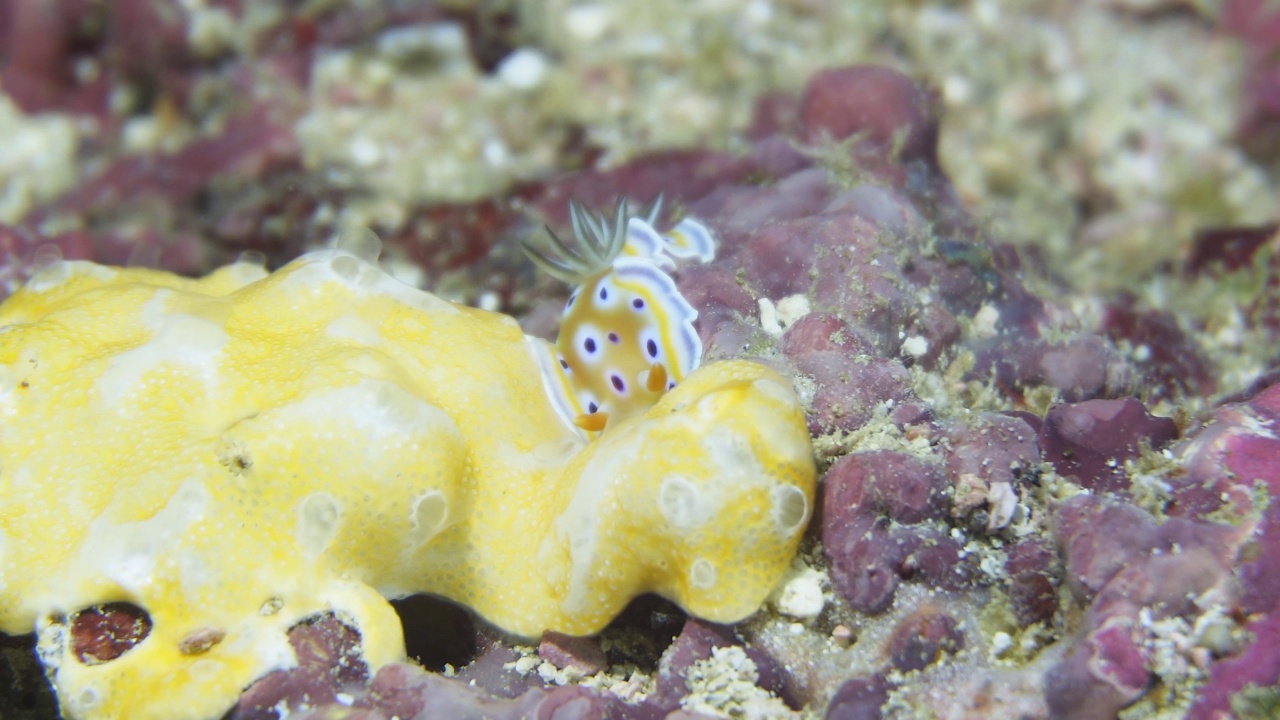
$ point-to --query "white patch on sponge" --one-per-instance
(187, 344)
(127, 552)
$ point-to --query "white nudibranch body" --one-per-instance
(626, 334)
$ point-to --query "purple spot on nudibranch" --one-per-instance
(589, 344)
(613, 338)
(604, 294)
(617, 383)
(671, 384)
(637, 304)
(652, 347)
(571, 299)
(592, 407)
(564, 364)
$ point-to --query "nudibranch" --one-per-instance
(626, 334)
(238, 453)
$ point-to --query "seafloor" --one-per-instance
(1019, 258)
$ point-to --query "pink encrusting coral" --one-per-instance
(1033, 503)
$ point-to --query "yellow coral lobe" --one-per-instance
(237, 453)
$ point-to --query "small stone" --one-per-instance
(523, 69)
(1001, 642)
(801, 595)
(923, 638)
(842, 635)
(1002, 502)
(859, 698)
(584, 654)
(587, 22)
(792, 308)
(201, 641)
(769, 317)
(915, 346)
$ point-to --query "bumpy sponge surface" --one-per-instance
(236, 453)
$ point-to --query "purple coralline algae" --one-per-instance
(868, 499)
(1031, 506)
(1090, 441)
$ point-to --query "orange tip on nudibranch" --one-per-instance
(656, 380)
(592, 422)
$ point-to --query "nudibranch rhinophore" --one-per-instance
(626, 334)
(238, 453)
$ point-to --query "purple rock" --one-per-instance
(859, 698)
(934, 559)
(410, 693)
(1116, 658)
(864, 561)
(869, 560)
(1103, 674)
(694, 643)
(727, 335)
(986, 450)
(892, 117)
(1091, 440)
(992, 447)
(1244, 448)
(1226, 249)
(1166, 584)
(738, 212)
(823, 332)
(102, 633)
(938, 328)
(889, 483)
(329, 662)
(924, 638)
(1173, 365)
(573, 703)
(1259, 567)
(779, 258)
(1080, 369)
(886, 209)
(727, 319)
(1130, 569)
(713, 288)
(1225, 462)
(1098, 538)
(1257, 665)
(682, 175)
(859, 275)
(850, 388)
(868, 557)
(568, 651)
(489, 672)
(1033, 588)
(911, 412)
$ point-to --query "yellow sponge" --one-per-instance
(236, 453)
